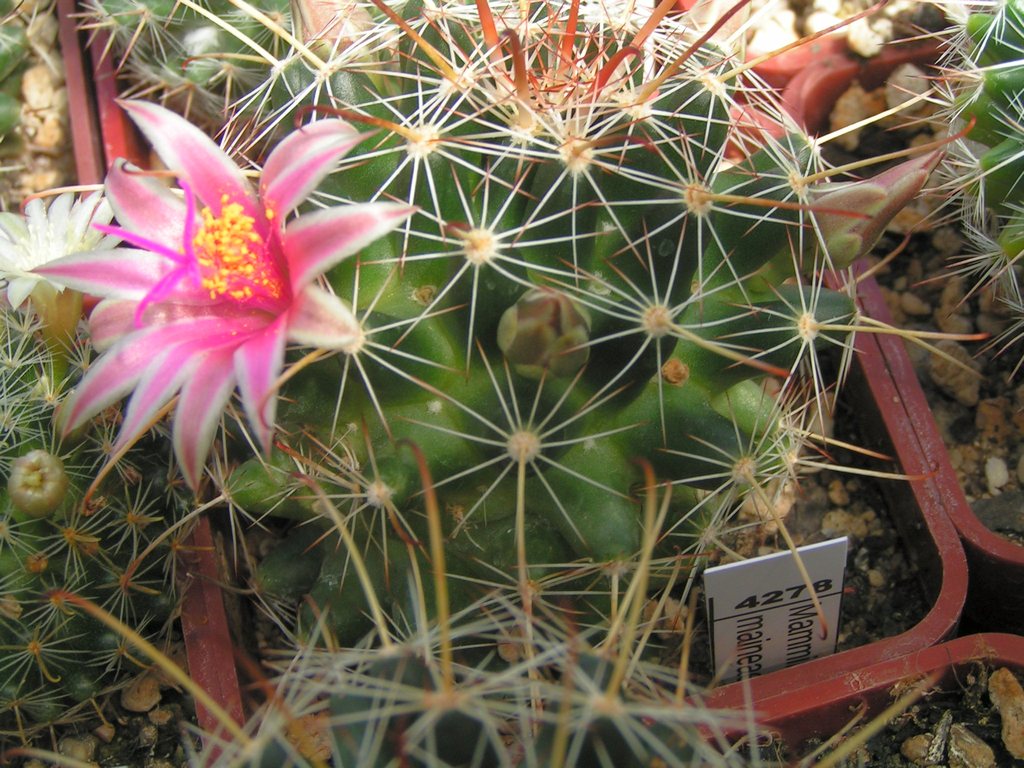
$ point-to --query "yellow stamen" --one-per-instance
(232, 255)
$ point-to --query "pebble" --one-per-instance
(990, 419)
(1001, 512)
(914, 306)
(990, 324)
(866, 36)
(839, 522)
(966, 750)
(953, 323)
(876, 578)
(915, 748)
(996, 474)
(1020, 469)
(953, 373)
(837, 493)
(81, 748)
(903, 84)
(148, 734)
(39, 86)
(1008, 697)
(141, 694)
(853, 106)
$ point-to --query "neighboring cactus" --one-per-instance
(984, 169)
(53, 537)
(197, 58)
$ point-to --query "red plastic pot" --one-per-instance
(819, 710)
(884, 392)
(995, 592)
(811, 77)
(100, 133)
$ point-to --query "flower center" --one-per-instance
(233, 258)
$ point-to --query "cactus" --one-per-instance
(109, 545)
(588, 281)
(597, 271)
(538, 271)
(983, 100)
(14, 49)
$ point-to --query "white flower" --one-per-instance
(45, 234)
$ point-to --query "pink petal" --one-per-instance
(301, 160)
(162, 379)
(111, 377)
(123, 273)
(320, 319)
(113, 319)
(119, 369)
(257, 365)
(202, 401)
(145, 206)
(191, 154)
(110, 321)
(317, 241)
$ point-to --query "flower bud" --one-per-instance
(545, 331)
(37, 484)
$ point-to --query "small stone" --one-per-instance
(82, 748)
(866, 36)
(996, 474)
(1002, 512)
(38, 86)
(940, 738)
(777, 30)
(991, 421)
(50, 134)
(904, 83)
(1008, 697)
(954, 372)
(160, 716)
(148, 734)
(141, 694)
(1020, 469)
(952, 298)
(913, 305)
(309, 734)
(839, 522)
(837, 493)
(105, 732)
(990, 324)
(876, 578)
(915, 748)
(852, 107)
(966, 750)
(509, 652)
(953, 323)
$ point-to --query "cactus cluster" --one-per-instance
(601, 273)
(984, 168)
(61, 532)
(197, 57)
(409, 703)
(605, 278)
(14, 54)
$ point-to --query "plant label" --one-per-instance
(765, 614)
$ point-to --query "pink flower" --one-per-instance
(212, 291)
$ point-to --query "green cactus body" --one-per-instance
(587, 275)
(53, 541)
(984, 97)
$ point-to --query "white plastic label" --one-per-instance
(762, 616)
